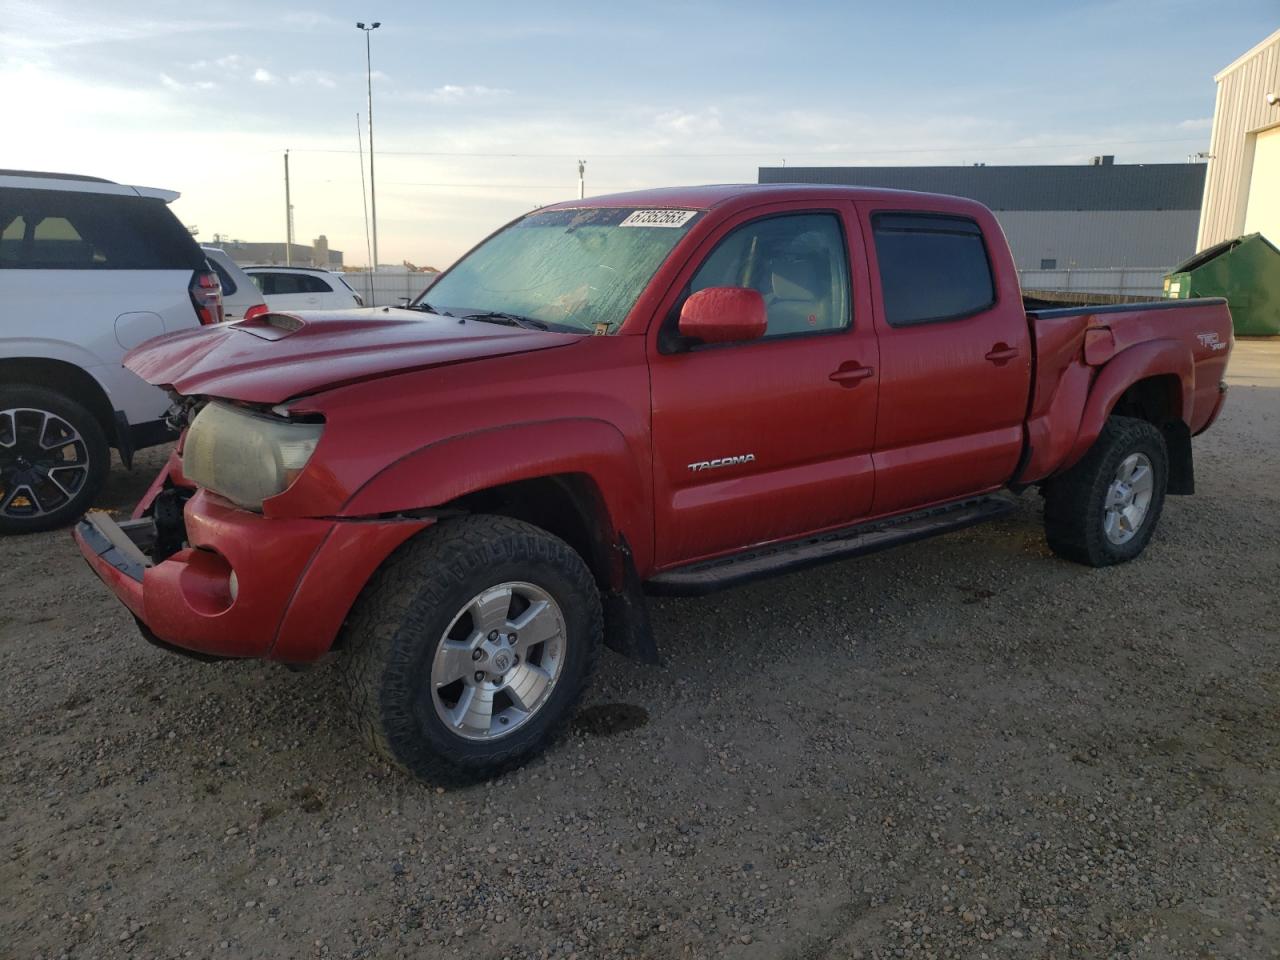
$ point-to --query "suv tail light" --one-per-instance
(257, 310)
(206, 296)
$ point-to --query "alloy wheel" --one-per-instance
(1128, 498)
(498, 661)
(44, 462)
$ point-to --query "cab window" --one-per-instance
(932, 268)
(798, 263)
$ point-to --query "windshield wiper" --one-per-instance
(428, 308)
(508, 319)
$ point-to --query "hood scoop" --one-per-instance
(271, 326)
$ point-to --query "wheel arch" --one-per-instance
(567, 505)
(1153, 381)
(66, 378)
(578, 476)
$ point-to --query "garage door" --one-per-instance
(1263, 213)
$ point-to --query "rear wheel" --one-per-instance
(469, 648)
(1104, 510)
(53, 459)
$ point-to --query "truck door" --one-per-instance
(770, 438)
(955, 353)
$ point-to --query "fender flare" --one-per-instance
(1151, 359)
(456, 466)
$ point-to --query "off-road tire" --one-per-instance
(399, 619)
(22, 396)
(1074, 503)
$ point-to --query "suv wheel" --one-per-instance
(469, 648)
(53, 459)
(1104, 510)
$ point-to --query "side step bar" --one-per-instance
(706, 576)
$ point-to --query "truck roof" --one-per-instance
(710, 196)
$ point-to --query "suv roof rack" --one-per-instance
(283, 266)
(44, 175)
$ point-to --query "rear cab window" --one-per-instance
(65, 230)
(933, 267)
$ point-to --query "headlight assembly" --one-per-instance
(246, 456)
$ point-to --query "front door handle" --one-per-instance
(851, 373)
(1002, 353)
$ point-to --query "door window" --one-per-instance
(798, 263)
(308, 283)
(932, 267)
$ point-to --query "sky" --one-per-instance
(482, 109)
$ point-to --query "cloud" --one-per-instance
(317, 78)
(311, 20)
(684, 123)
(172, 84)
(1200, 123)
(456, 93)
(263, 76)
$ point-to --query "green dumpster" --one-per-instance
(1246, 271)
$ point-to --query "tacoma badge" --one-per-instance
(701, 465)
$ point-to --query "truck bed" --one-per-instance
(1087, 356)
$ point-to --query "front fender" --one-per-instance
(1151, 359)
(456, 466)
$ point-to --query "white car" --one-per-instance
(88, 270)
(303, 288)
(241, 298)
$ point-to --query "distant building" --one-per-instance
(319, 254)
(1242, 189)
(1100, 215)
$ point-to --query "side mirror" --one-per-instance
(724, 315)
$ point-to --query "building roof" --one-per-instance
(1150, 186)
(1247, 55)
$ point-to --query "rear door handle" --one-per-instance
(851, 373)
(1002, 353)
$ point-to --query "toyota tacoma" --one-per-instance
(664, 392)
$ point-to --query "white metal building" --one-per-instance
(1242, 189)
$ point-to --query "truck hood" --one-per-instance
(278, 356)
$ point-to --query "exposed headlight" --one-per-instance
(246, 456)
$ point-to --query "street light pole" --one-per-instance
(373, 192)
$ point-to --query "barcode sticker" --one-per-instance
(658, 218)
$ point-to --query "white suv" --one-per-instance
(303, 288)
(88, 270)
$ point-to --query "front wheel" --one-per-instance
(1104, 510)
(468, 650)
(53, 459)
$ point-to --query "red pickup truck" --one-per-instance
(668, 392)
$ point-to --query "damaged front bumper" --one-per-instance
(241, 584)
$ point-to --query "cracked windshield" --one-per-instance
(577, 271)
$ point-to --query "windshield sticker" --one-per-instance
(658, 218)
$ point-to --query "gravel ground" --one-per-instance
(961, 748)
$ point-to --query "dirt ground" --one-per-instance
(960, 748)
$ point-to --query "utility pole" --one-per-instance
(288, 216)
(373, 194)
(582, 179)
(364, 197)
